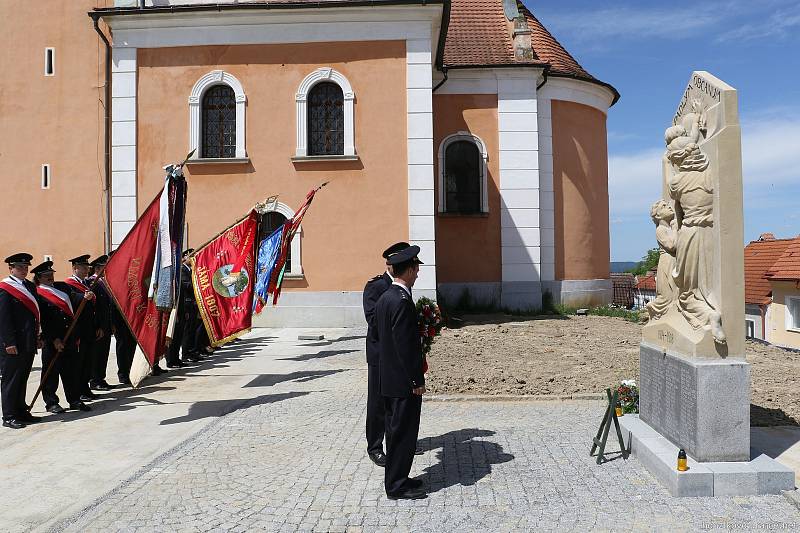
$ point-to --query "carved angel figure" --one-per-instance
(691, 187)
(667, 235)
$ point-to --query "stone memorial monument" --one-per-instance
(694, 380)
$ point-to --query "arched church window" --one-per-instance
(326, 119)
(219, 122)
(271, 221)
(463, 175)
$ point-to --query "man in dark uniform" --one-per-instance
(402, 378)
(19, 340)
(58, 311)
(184, 336)
(375, 418)
(102, 323)
(87, 332)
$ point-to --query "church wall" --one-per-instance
(55, 120)
(468, 246)
(353, 219)
(580, 183)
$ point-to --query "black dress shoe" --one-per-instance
(408, 494)
(124, 381)
(176, 364)
(13, 424)
(80, 406)
(157, 371)
(28, 418)
(419, 451)
(87, 398)
(379, 458)
(412, 483)
(100, 386)
(56, 409)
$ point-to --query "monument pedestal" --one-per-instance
(700, 405)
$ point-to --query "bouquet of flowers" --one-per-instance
(628, 396)
(429, 318)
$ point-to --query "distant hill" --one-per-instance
(622, 266)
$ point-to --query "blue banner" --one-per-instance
(267, 256)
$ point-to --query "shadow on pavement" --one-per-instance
(269, 380)
(340, 339)
(217, 408)
(462, 459)
(321, 355)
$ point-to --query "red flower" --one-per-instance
(431, 331)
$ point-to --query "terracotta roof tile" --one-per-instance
(759, 258)
(478, 34)
(787, 267)
(647, 283)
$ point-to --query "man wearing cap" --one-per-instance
(88, 333)
(19, 339)
(102, 322)
(58, 311)
(401, 374)
(375, 418)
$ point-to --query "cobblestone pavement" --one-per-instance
(293, 459)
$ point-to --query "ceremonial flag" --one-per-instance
(270, 274)
(141, 275)
(267, 257)
(222, 276)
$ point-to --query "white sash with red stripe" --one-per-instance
(57, 298)
(21, 293)
(76, 283)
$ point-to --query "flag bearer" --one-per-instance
(102, 323)
(88, 333)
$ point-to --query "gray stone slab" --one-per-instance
(702, 406)
(310, 337)
(762, 475)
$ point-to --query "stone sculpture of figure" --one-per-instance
(691, 186)
(666, 234)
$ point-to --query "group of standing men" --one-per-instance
(72, 322)
(395, 379)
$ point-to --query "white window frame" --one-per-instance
(46, 172)
(297, 265)
(52, 51)
(464, 136)
(212, 79)
(749, 325)
(301, 98)
(791, 319)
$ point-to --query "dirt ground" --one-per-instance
(574, 356)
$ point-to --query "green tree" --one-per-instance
(648, 262)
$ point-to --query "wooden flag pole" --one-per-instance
(58, 352)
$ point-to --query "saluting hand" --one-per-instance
(11, 350)
(89, 295)
(59, 344)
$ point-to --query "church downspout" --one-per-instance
(106, 133)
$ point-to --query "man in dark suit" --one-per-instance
(184, 336)
(375, 418)
(19, 340)
(58, 308)
(79, 283)
(102, 324)
(401, 374)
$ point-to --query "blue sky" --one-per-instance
(648, 51)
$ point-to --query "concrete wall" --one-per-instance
(55, 120)
(778, 332)
(364, 208)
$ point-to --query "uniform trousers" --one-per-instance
(402, 429)
(84, 362)
(16, 370)
(191, 327)
(126, 347)
(375, 417)
(65, 368)
(100, 358)
(177, 338)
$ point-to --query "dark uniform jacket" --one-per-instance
(399, 343)
(102, 306)
(372, 292)
(17, 324)
(55, 322)
(86, 322)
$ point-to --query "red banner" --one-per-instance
(223, 277)
(127, 277)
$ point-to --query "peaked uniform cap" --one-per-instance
(80, 260)
(100, 261)
(407, 254)
(41, 268)
(188, 252)
(19, 259)
(393, 249)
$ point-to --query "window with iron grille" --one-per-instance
(219, 122)
(462, 178)
(326, 120)
(271, 221)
